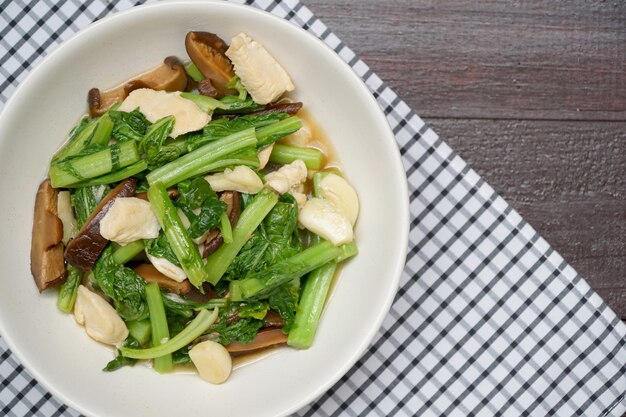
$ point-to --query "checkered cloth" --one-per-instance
(489, 319)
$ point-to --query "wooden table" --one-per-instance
(532, 94)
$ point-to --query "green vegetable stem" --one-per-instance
(69, 289)
(260, 284)
(96, 132)
(251, 217)
(74, 169)
(285, 154)
(183, 247)
(195, 329)
(116, 176)
(269, 134)
(203, 159)
(125, 253)
(160, 331)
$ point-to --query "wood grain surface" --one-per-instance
(532, 94)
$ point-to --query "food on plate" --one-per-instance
(189, 219)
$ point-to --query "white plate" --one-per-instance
(45, 106)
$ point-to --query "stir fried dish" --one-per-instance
(192, 217)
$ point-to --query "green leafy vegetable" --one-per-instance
(197, 327)
(178, 306)
(152, 143)
(235, 105)
(122, 285)
(128, 125)
(183, 247)
(82, 123)
(121, 361)
(193, 192)
(160, 329)
(69, 289)
(269, 134)
(251, 217)
(193, 72)
(71, 170)
(255, 309)
(140, 330)
(125, 253)
(116, 176)
(196, 194)
(95, 132)
(85, 199)
(261, 284)
(275, 239)
(232, 327)
(236, 84)
(181, 357)
(285, 154)
(220, 128)
(207, 158)
(160, 248)
(284, 301)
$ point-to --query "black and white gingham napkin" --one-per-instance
(489, 319)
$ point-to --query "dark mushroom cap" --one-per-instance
(85, 248)
(207, 51)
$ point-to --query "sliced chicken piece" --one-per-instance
(264, 78)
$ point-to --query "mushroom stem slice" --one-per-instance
(170, 76)
(264, 338)
(46, 252)
(150, 274)
(214, 239)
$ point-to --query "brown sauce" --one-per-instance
(247, 358)
(320, 141)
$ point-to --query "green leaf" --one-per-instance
(129, 125)
(231, 327)
(121, 361)
(160, 248)
(196, 194)
(122, 285)
(152, 142)
(235, 105)
(275, 239)
(254, 309)
(209, 217)
(193, 192)
(85, 199)
(284, 301)
(236, 84)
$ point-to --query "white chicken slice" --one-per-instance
(158, 104)
(129, 219)
(264, 78)
(167, 268)
(241, 178)
(101, 321)
(337, 191)
(288, 178)
(320, 217)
